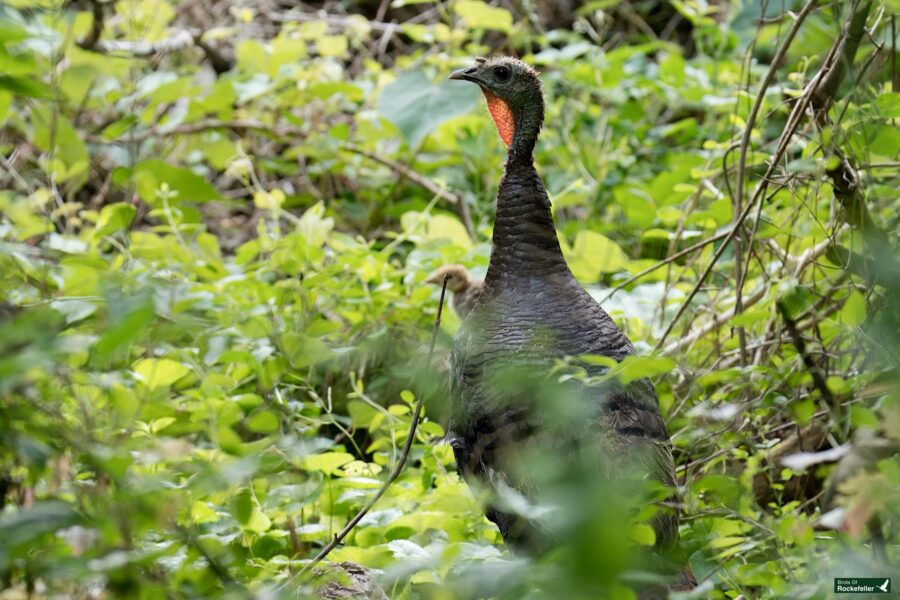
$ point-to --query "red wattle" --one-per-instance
(503, 117)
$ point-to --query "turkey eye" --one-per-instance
(502, 73)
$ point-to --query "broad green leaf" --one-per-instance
(479, 15)
(114, 217)
(642, 534)
(202, 512)
(332, 45)
(24, 525)
(594, 254)
(303, 350)
(888, 105)
(417, 106)
(185, 185)
(446, 228)
(25, 87)
(634, 367)
(258, 521)
(157, 425)
(328, 462)
(54, 133)
(263, 422)
(159, 372)
(853, 314)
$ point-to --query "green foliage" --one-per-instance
(214, 318)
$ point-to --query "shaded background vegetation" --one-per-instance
(217, 218)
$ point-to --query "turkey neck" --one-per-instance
(525, 242)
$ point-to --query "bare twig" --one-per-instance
(665, 261)
(401, 461)
(717, 321)
(90, 40)
(17, 177)
(201, 126)
(140, 49)
(459, 204)
(213, 564)
(844, 177)
(335, 21)
(811, 366)
(847, 44)
(796, 265)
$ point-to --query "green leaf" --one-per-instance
(248, 514)
(258, 522)
(642, 534)
(263, 422)
(26, 87)
(114, 217)
(635, 367)
(303, 350)
(332, 45)
(25, 525)
(853, 313)
(417, 107)
(53, 133)
(202, 512)
(327, 462)
(186, 185)
(157, 425)
(159, 372)
(479, 15)
(862, 416)
(448, 229)
(888, 105)
(594, 254)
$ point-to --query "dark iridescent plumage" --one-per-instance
(530, 313)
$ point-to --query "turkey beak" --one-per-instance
(467, 74)
(435, 278)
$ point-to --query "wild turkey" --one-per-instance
(531, 313)
(465, 289)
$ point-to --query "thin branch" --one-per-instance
(811, 366)
(459, 204)
(213, 564)
(664, 262)
(401, 461)
(17, 177)
(847, 44)
(844, 177)
(90, 40)
(717, 321)
(202, 126)
(335, 21)
(796, 264)
(140, 49)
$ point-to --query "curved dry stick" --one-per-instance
(401, 462)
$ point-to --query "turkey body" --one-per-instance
(531, 313)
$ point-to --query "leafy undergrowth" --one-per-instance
(215, 321)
